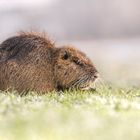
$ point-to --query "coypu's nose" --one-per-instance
(93, 72)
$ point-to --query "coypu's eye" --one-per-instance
(78, 62)
(65, 56)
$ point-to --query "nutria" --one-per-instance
(31, 62)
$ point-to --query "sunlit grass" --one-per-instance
(106, 114)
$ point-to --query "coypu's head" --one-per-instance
(72, 69)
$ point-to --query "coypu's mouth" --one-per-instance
(85, 83)
(87, 86)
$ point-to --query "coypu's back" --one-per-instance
(26, 63)
(21, 45)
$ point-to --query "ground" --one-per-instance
(112, 112)
(105, 114)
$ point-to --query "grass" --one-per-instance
(106, 114)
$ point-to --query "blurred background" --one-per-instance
(108, 31)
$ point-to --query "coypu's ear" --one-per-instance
(62, 53)
(65, 55)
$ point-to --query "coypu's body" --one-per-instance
(31, 62)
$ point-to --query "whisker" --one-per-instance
(76, 81)
(101, 82)
(82, 81)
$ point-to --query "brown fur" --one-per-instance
(32, 62)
